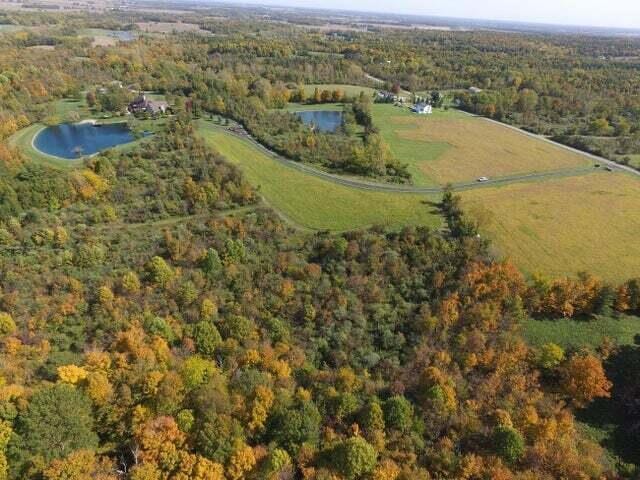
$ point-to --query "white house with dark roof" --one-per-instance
(422, 108)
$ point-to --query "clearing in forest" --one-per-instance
(453, 147)
(564, 226)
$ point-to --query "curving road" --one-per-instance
(361, 184)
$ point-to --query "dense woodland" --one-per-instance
(158, 322)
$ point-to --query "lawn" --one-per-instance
(315, 203)
(574, 334)
(350, 90)
(566, 225)
(452, 147)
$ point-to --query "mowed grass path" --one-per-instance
(315, 203)
(563, 226)
(451, 147)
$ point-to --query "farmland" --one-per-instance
(562, 226)
(450, 146)
(315, 203)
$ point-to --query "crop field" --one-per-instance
(315, 203)
(452, 147)
(566, 225)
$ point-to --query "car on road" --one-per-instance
(483, 179)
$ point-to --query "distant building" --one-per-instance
(422, 108)
(387, 97)
(143, 104)
(475, 89)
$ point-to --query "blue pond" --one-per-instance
(73, 140)
(323, 120)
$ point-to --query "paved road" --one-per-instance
(410, 189)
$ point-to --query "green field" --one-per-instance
(315, 203)
(563, 226)
(452, 147)
(635, 161)
(350, 90)
(574, 334)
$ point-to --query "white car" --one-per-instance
(483, 179)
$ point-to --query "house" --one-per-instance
(384, 96)
(474, 90)
(143, 104)
(422, 108)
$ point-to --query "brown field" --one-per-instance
(563, 226)
(169, 27)
(481, 148)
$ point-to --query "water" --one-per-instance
(327, 121)
(73, 140)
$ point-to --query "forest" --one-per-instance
(158, 320)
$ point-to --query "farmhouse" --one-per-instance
(387, 97)
(142, 104)
(423, 108)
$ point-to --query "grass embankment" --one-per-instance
(450, 147)
(316, 203)
(563, 226)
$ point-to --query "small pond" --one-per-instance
(73, 140)
(327, 121)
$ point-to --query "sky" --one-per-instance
(611, 13)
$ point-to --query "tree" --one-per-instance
(206, 337)
(159, 271)
(398, 413)
(354, 458)
(508, 443)
(583, 379)
(291, 427)
(80, 465)
(7, 325)
(550, 356)
(57, 421)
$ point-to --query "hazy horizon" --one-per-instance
(616, 13)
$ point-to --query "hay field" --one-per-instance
(563, 226)
(452, 147)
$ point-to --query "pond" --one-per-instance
(73, 140)
(327, 121)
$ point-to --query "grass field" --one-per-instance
(350, 90)
(563, 226)
(635, 161)
(574, 334)
(450, 146)
(315, 203)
